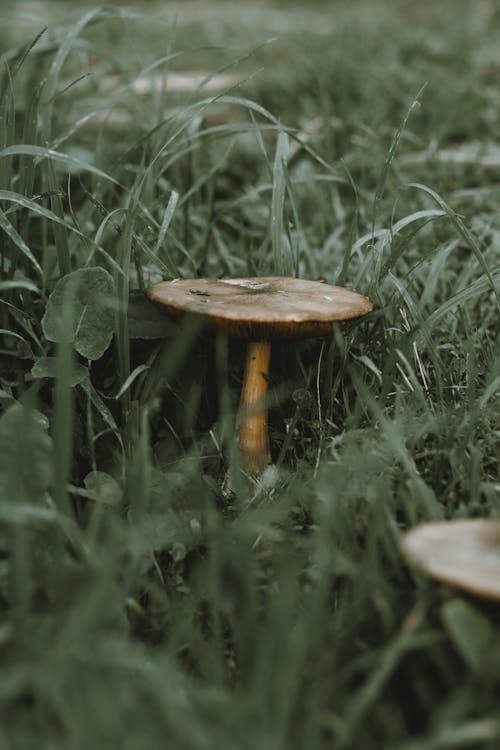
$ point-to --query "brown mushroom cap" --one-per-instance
(463, 554)
(262, 308)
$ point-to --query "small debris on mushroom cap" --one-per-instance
(263, 308)
(464, 554)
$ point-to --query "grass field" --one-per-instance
(144, 605)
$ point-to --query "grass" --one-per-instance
(142, 604)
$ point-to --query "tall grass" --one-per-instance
(143, 602)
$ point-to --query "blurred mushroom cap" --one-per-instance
(464, 554)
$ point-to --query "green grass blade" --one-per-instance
(282, 266)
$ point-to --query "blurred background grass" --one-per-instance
(142, 604)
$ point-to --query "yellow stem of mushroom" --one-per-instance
(253, 437)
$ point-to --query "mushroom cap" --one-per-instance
(254, 309)
(464, 554)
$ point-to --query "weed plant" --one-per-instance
(142, 604)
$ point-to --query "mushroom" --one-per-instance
(179, 82)
(464, 554)
(260, 310)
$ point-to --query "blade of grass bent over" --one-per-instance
(466, 235)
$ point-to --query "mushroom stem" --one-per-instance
(253, 438)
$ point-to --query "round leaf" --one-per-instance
(79, 312)
(25, 455)
(103, 488)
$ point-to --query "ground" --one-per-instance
(151, 595)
